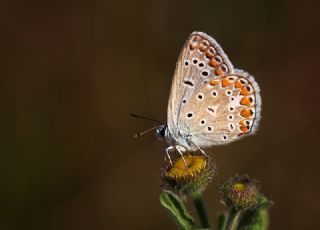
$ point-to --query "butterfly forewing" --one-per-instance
(201, 59)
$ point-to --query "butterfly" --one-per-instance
(211, 102)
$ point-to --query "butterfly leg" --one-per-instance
(201, 150)
(167, 153)
(180, 150)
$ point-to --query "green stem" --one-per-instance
(233, 219)
(198, 202)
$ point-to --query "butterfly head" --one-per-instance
(161, 131)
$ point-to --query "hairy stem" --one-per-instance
(233, 219)
(198, 202)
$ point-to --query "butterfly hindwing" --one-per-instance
(223, 110)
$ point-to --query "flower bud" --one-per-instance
(240, 192)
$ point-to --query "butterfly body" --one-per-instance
(210, 103)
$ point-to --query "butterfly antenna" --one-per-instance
(144, 132)
(145, 118)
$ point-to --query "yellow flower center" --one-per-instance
(191, 166)
(239, 186)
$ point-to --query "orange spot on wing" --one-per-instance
(202, 48)
(245, 113)
(193, 44)
(245, 101)
(225, 82)
(243, 127)
(238, 84)
(213, 82)
(209, 54)
(218, 71)
(244, 91)
(213, 63)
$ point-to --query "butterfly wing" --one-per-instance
(201, 59)
(224, 110)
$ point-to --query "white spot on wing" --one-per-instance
(228, 93)
(200, 96)
(231, 126)
(230, 117)
(201, 65)
(209, 129)
(214, 93)
(189, 115)
(194, 61)
(212, 110)
(202, 122)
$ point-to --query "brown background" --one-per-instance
(72, 71)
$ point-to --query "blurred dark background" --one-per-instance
(72, 71)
